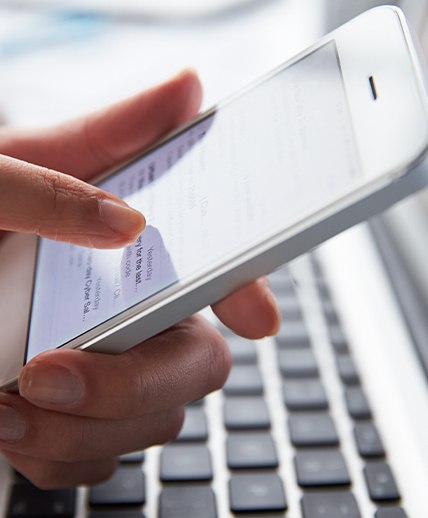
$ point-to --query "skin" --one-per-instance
(77, 411)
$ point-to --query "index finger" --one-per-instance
(60, 207)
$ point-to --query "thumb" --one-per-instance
(60, 207)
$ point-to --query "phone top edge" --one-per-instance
(419, 64)
(401, 100)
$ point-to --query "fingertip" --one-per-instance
(123, 220)
(192, 93)
(251, 312)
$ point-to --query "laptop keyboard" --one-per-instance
(291, 434)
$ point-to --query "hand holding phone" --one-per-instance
(324, 141)
(321, 143)
(78, 411)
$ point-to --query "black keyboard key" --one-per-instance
(390, 512)
(368, 440)
(125, 487)
(293, 335)
(357, 403)
(338, 339)
(244, 380)
(180, 462)
(134, 457)
(330, 505)
(321, 468)
(251, 450)
(312, 429)
(187, 502)
(305, 394)
(297, 363)
(347, 370)
(260, 492)
(380, 482)
(243, 351)
(28, 501)
(242, 413)
(194, 426)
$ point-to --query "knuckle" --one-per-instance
(52, 185)
(138, 388)
(72, 442)
(46, 479)
(170, 425)
(218, 361)
(43, 474)
(47, 475)
(104, 469)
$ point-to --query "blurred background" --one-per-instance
(60, 58)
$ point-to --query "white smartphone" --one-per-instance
(326, 140)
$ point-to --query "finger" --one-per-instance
(60, 207)
(90, 144)
(48, 474)
(180, 365)
(251, 312)
(49, 435)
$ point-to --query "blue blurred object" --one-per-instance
(49, 27)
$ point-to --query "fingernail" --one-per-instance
(12, 425)
(121, 218)
(45, 383)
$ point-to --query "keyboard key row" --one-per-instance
(379, 478)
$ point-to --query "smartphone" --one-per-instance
(326, 140)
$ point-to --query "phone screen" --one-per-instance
(255, 166)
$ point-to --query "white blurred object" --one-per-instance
(340, 11)
(47, 83)
(146, 8)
